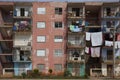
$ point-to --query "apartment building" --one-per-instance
(82, 37)
(49, 34)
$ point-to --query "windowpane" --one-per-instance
(40, 38)
(58, 11)
(41, 52)
(58, 52)
(58, 24)
(41, 11)
(41, 67)
(58, 39)
(40, 24)
(58, 67)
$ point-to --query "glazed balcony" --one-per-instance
(22, 56)
(76, 41)
(22, 12)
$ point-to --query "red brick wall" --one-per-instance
(50, 32)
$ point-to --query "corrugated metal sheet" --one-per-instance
(62, 0)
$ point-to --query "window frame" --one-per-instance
(43, 67)
(58, 11)
(58, 39)
(58, 24)
(42, 54)
(43, 10)
(56, 67)
(41, 41)
(59, 52)
(41, 23)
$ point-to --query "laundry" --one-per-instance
(96, 39)
(104, 54)
(118, 44)
(95, 52)
(118, 37)
(87, 36)
(74, 28)
(117, 53)
(108, 43)
(86, 50)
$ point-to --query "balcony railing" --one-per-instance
(22, 26)
(75, 44)
(22, 58)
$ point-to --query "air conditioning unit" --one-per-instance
(25, 48)
(76, 58)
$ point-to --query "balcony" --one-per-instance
(22, 56)
(75, 44)
(75, 55)
(76, 41)
(108, 59)
(22, 13)
(22, 26)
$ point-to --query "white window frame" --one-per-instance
(42, 52)
(58, 52)
(58, 39)
(41, 24)
(41, 38)
(41, 10)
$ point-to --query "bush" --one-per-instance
(50, 71)
(67, 73)
(24, 75)
(35, 73)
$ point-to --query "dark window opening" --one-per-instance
(22, 10)
(76, 11)
(58, 11)
(58, 24)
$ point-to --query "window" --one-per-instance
(40, 38)
(58, 24)
(58, 67)
(58, 11)
(58, 39)
(41, 67)
(58, 52)
(41, 10)
(40, 24)
(41, 52)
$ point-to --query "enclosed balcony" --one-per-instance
(111, 12)
(22, 12)
(76, 56)
(75, 11)
(22, 56)
(76, 41)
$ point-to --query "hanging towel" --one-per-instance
(104, 54)
(118, 44)
(108, 43)
(86, 50)
(87, 36)
(117, 53)
(118, 37)
(96, 39)
(95, 52)
(71, 27)
(76, 29)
